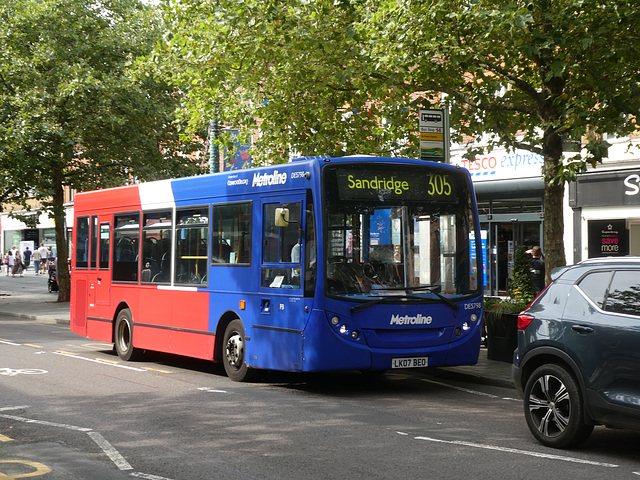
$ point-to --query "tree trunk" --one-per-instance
(59, 217)
(553, 203)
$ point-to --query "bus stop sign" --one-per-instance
(434, 144)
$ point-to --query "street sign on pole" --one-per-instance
(434, 135)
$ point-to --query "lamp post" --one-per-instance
(214, 152)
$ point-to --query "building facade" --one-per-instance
(601, 209)
(510, 191)
(15, 233)
(605, 205)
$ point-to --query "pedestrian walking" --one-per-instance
(17, 264)
(10, 262)
(36, 256)
(26, 256)
(44, 253)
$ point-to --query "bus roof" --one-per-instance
(187, 191)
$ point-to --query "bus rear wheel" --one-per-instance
(233, 355)
(124, 336)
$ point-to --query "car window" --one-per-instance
(594, 286)
(624, 293)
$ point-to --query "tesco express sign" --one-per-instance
(500, 166)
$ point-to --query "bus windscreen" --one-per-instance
(394, 229)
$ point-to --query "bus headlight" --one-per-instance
(474, 318)
(335, 320)
(466, 326)
(355, 334)
(344, 328)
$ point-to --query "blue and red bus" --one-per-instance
(320, 264)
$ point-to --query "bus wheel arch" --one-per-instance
(123, 334)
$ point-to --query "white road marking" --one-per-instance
(44, 422)
(19, 407)
(11, 372)
(211, 390)
(461, 389)
(10, 343)
(468, 390)
(111, 452)
(71, 355)
(106, 447)
(147, 476)
(518, 452)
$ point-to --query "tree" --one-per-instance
(294, 70)
(76, 110)
(337, 76)
(533, 74)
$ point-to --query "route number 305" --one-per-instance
(439, 185)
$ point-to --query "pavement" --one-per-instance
(28, 297)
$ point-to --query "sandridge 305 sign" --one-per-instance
(393, 183)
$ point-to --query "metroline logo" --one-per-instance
(265, 179)
(408, 320)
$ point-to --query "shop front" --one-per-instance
(509, 190)
(606, 214)
(15, 233)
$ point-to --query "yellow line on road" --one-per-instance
(67, 353)
(104, 360)
(157, 370)
(32, 345)
(4, 438)
(98, 344)
(40, 469)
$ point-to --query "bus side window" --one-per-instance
(156, 247)
(231, 234)
(126, 248)
(192, 246)
(105, 239)
(93, 262)
(281, 248)
(82, 242)
(310, 262)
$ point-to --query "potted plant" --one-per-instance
(501, 314)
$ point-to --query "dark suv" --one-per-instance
(578, 358)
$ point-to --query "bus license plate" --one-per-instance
(412, 362)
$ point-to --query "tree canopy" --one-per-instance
(346, 76)
(76, 109)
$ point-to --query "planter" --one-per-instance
(502, 335)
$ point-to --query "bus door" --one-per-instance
(103, 280)
(287, 283)
(93, 277)
(99, 287)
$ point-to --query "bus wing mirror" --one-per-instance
(282, 217)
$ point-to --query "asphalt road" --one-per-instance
(70, 409)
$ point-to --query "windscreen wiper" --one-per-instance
(375, 301)
(423, 288)
(430, 289)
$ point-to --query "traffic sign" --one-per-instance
(434, 135)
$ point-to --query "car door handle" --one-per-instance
(581, 329)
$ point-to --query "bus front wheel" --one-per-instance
(233, 356)
(124, 336)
